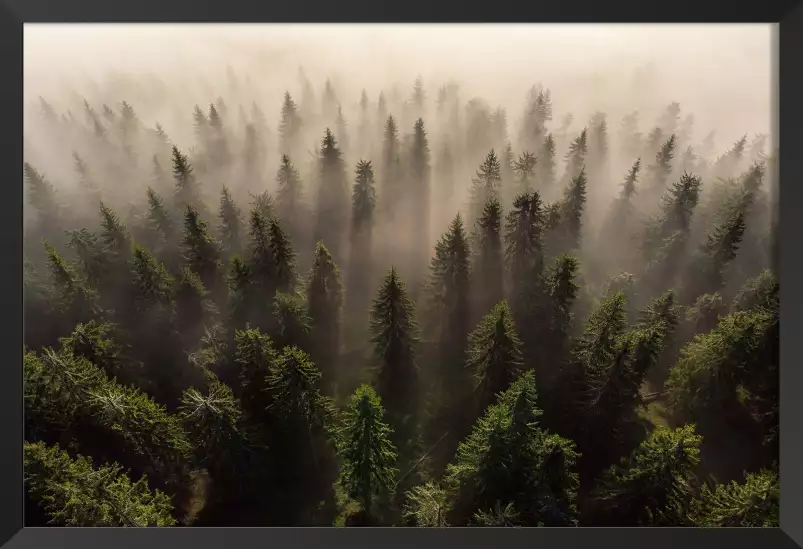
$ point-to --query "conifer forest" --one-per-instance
(398, 303)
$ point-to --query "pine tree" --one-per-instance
(186, 187)
(289, 126)
(341, 126)
(262, 266)
(545, 169)
(420, 181)
(651, 486)
(494, 354)
(489, 263)
(290, 198)
(284, 258)
(395, 336)
(71, 294)
(706, 270)
(576, 156)
(231, 223)
(223, 442)
(368, 456)
(753, 503)
(200, 251)
(660, 170)
(508, 456)
(523, 241)
(486, 185)
(324, 304)
(42, 196)
(363, 205)
(292, 321)
(391, 171)
(333, 203)
(449, 290)
(524, 169)
(426, 506)
(75, 493)
(254, 354)
(159, 218)
(572, 208)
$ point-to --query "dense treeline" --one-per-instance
(335, 323)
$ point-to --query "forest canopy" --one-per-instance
(404, 308)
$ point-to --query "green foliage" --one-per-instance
(231, 224)
(426, 506)
(489, 263)
(200, 251)
(486, 185)
(752, 504)
(506, 455)
(494, 353)
(75, 493)
(652, 486)
(395, 336)
(366, 452)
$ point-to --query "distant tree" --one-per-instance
(290, 198)
(331, 220)
(324, 306)
(486, 185)
(231, 223)
(289, 126)
(200, 251)
(489, 266)
(363, 205)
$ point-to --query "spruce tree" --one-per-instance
(494, 354)
(572, 208)
(576, 156)
(284, 258)
(333, 203)
(186, 187)
(391, 170)
(545, 169)
(395, 336)
(368, 456)
(660, 170)
(524, 169)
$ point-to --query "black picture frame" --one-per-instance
(789, 120)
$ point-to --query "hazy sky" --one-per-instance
(722, 73)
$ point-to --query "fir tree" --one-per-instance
(186, 191)
(572, 208)
(576, 156)
(660, 170)
(292, 321)
(545, 169)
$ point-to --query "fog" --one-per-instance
(428, 209)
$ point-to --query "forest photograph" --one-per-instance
(400, 275)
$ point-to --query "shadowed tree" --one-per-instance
(231, 223)
(486, 185)
(489, 265)
(331, 219)
(324, 306)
